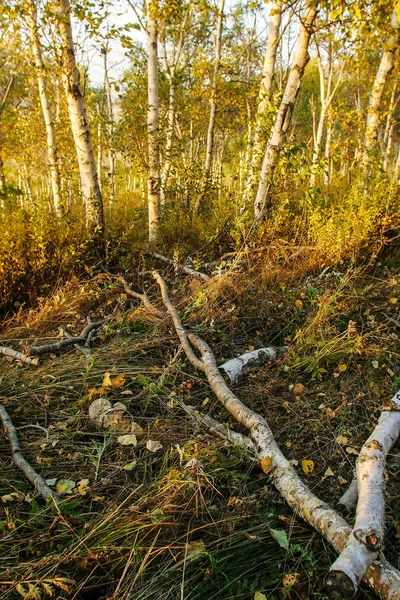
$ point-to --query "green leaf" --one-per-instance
(280, 536)
(65, 486)
(157, 516)
(260, 596)
(375, 364)
(129, 466)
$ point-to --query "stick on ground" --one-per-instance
(38, 482)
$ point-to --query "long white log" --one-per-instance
(15, 355)
(381, 577)
(236, 366)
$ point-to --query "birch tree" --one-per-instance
(285, 112)
(213, 108)
(264, 97)
(327, 93)
(110, 123)
(52, 150)
(375, 100)
(79, 124)
(153, 190)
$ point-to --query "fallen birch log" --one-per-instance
(348, 501)
(15, 355)
(235, 367)
(369, 528)
(383, 578)
(185, 269)
(37, 481)
(143, 297)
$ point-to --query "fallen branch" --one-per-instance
(348, 501)
(38, 482)
(15, 355)
(369, 527)
(381, 577)
(143, 297)
(236, 366)
(70, 341)
(185, 269)
(85, 351)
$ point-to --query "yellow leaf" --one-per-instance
(118, 381)
(266, 465)
(205, 401)
(328, 473)
(351, 450)
(393, 300)
(290, 579)
(342, 367)
(330, 413)
(342, 439)
(260, 596)
(299, 304)
(82, 486)
(299, 388)
(307, 466)
(107, 379)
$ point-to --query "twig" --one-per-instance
(36, 427)
(85, 351)
(142, 297)
(18, 458)
(186, 269)
(15, 355)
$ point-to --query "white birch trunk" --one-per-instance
(213, 109)
(264, 97)
(52, 151)
(381, 577)
(284, 116)
(375, 100)
(388, 137)
(79, 125)
(110, 119)
(368, 531)
(328, 166)
(153, 182)
(236, 366)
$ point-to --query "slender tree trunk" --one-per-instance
(153, 194)
(99, 152)
(213, 109)
(170, 138)
(378, 88)
(52, 150)
(284, 116)
(79, 125)
(110, 119)
(264, 98)
(328, 166)
(388, 137)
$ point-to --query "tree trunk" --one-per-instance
(388, 137)
(328, 166)
(170, 138)
(153, 183)
(378, 88)
(110, 119)
(213, 109)
(264, 97)
(52, 150)
(79, 125)
(284, 116)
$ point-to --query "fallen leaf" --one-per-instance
(260, 596)
(342, 480)
(299, 388)
(52, 481)
(131, 465)
(307, 466)
(129, 439)
(375, 364)
(136, 429)
(341, 439)
(330, 413)
(195, 549)
(328, 473)
(65, 486)
(82, 486)
(290, 579)
(107, 380)
(393, 300)
(127, 393)
(157, 516)
(299, 304)
(351, 450)
(342, 368)
(281, 537)
(266, 465)
(118, 381)
(153, 446)
(12, 497)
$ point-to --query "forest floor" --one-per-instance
(138, 521)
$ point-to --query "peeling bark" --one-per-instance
(236, 366)
(15, 355)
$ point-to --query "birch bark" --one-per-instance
(213, 109)
(264, 97)
(375, 100)
(284, 116)
(79, 125)
(153, 144)
(52, 150)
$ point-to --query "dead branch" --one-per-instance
(380, 576)
(369, 527)
(85, 351)
(70, 341)
(38, 482)
(185, 269)
(143, 297)
(235, 367)
(348, 501)
(15, 355)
